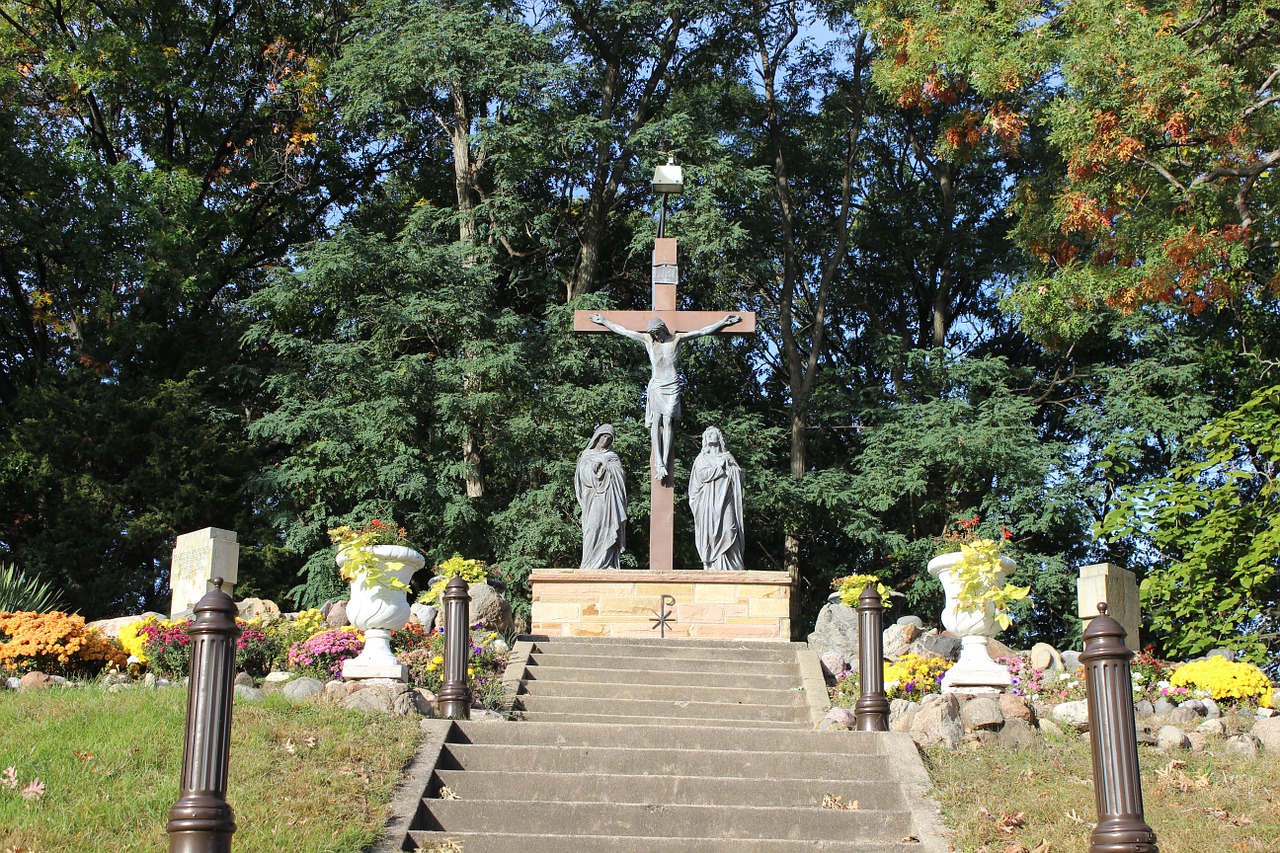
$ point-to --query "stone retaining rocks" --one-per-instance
(300, 690)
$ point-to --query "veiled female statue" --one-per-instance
(602, 494)
(715, 496)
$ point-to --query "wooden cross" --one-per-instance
(665, 275)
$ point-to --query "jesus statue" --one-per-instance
(663, 406)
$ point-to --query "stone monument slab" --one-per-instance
(198, 558)
(1116, 586)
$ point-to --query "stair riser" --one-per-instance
(688, 664)
(668, 821)
(537, 676)
(659, 710)
(659, 762)
(664, 692)
(495, 843)
(556, 718)
(667, 737)
(480, 785)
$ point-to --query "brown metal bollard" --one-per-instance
(871, 713)
(202, 821)
(455, 692)
(1116, 783)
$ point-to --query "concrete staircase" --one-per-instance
(649, 745)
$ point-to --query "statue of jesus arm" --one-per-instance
(729, 320)
(601, 320)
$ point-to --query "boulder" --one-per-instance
(1072, 715)
(276, 680)
(259, 608)
(249, 694)
(938, 723)
(997, 649)
(836, 630)
(1172, 737)
(981, 713)
(424, 615)
(911, 620)
(13, 682)
(244, 679)
(896, 643)
(301, 690)
(981, 739)
(335, 614)
(832, 663)
(1212, 727)
(1197, 741)
(1144, 708)
(902, 716)
(1226, 654)
(400, 699)
(1045, 657)
(1016, 708)
(1195, 705)
(837, 719)
(36, 680)
(937, 643)
(1267, 732)
(1245, 744)
(1017, 734)
(489, 607)
(1181, 716)
(111, 627)
(1049, 727)
(1163, 706)
(1070, 660)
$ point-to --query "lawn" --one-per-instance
(1042, 799)
(307, 778)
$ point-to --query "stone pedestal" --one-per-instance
(707, 606)
(198, 558)
(1119, 589)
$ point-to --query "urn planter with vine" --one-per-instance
(977, 607)
(378, 564)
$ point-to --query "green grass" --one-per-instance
(307, 778)
(1214, 803)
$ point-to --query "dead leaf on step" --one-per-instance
(447, 793)
(1224, 815)
(289, 747)
(1042, 847)
(831, 801)
(910, 839)
(1017, 847)
(1172, 776)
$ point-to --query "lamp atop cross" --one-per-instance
(661, 331)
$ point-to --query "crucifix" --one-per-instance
(661, 331)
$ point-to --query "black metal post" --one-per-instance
(455, 692)
(871, 713)
(1117, 787)
(202, 821)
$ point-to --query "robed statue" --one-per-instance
(715, 496)
(602, 494)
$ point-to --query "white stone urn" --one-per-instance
(975, 670)
(377, 609)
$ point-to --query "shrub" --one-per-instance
(321, 656)
(1225, 680)
(283, 634)
(914, 677)
(55, 643)
(423, 653)
(22, 594)
(254, 650)
(167, 645)
(457, 566)
(133, 641)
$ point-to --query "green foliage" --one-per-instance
(1214, 521)
(20, 593)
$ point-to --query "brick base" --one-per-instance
(708, 605)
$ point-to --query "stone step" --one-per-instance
(667, 820)
(561, 717)
(663, 708)
(480, 785)
(693, 678)
(491, 842)
(664, 692)
(665, 736)
(655, 762)
(640, 646)
(543, 661)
